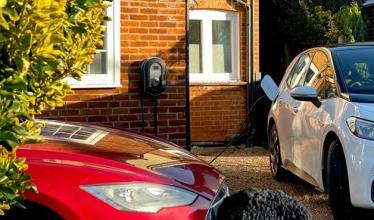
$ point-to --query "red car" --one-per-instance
(89, 172)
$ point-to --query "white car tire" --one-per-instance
(277, 171)
(338, 184)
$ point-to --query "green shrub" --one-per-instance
(351, 24)
(41, 43)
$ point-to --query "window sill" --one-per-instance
(239, 83)
(108, 86)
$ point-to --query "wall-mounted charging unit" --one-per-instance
(153, 77)
(153, 84)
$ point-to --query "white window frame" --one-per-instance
(112, 44)
(207, 17)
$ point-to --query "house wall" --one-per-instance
(148, 28)
(157, 28)
(217, 110)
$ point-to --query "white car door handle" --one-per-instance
(295, 109)
(281, 101)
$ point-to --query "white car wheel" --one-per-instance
(276, 168)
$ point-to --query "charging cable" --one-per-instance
(240, 132)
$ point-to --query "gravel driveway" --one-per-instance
(247, 168)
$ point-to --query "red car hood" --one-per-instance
(132, 155)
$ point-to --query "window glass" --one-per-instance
(98, 66)
(298, 70)
(331, 86)
(214, 38)
(221, 32)
(104, 71)
(195, 46)
(357, 68)
(320, 76)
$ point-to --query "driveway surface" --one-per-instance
(246, 168)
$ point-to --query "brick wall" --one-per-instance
(148, 28)
(157, 28)
(217, 110)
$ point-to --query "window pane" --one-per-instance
(99, 64)
(222, 59)
(298, 70)
(357, 68)
(195, 46)
(316, 75)
(331, 88)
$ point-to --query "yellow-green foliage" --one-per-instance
(41, 43)
(351, 24)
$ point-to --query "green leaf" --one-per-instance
(19, 205)
(11, 13)
(3, 39)
(6, 94)
(9, 140)
(3, 179)
(25, 41)
(16, 106)
(19, 84)
(22, 65)
(3, 22)
(33, 140)
(79, 29)
(20, 130)
(3, 3)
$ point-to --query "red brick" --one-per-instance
(128, 118)
(97, 104)
(97, 119)
(148, 11)
(105, 111)
(72, 98)
(177, 136)
(136, 124)
(163, 116)
(176, 122)
(89, 111)
(76, 119)
(113, 104)
(67, 112)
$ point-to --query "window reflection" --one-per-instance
(222, 58)
(195, 46)
(320, 76)
(357, 69)
(298, 70)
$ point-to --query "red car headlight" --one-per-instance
(141, 197)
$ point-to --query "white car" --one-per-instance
(321, 124)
